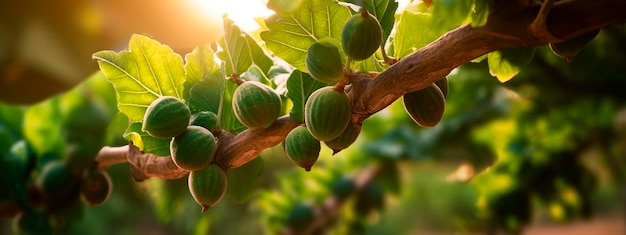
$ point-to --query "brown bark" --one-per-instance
(508, 26)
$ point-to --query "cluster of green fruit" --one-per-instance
(45, 193)
(328, 110)
(192, 145)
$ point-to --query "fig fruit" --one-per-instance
(323, 62)
(425, 106)
(443, 86)
(166, 117)
(204, 119)
(345, 139)
(256, 105)
(361, 36)
(570, 48)
(95, 187)
(193, 149)
(301, 147)
(300, 216)
(207, 185)
(327, 113)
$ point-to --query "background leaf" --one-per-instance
(228, 120)
(142, 74)
(206, 95)
(299, 86)
(413, 31)
(480, 12)
(145, 142)
(200, 64)
(505, 64)
(291, 33)
(449, 14)
(239, 50)
(242, 180)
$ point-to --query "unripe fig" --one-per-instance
(324, 61)
(58, 185)
(443, 86)
(300, 216)
(425, 106)
(95, 187)
(166, 117)
(570, 48)
(361, 36)
(301, 147)
(256, 105)
(327, 113)
(343, 187)
(204, 119)
(193, 149)
(80, 155)
(345, 139)
(207, 185)
(32, 223)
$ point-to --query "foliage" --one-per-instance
(526, 137)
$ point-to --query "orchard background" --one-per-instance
(528, 139)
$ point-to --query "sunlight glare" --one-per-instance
(242, 12)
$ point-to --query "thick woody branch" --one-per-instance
(509, 26)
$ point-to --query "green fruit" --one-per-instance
(166, 117)
(58, 185)
(443, 86)
(256, 105)
(323, 62)
(300, 216)
(207, 186)
(371, 198)
(301, 147)
(204, 119)
(425, 106)
(32, 223)
(345, 139)
(361, 36)
(80, 156)
(343, 187)
(95, 187)
(87, 121)
(193, 149)
(327, 113)
(570, 48)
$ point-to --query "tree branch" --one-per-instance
(508, 26)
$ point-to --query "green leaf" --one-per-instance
(140, 75)
(42, 127)
(384, 10)
(239, 50)
(145, 142)
(299, 87)
(200, 65)
(505, 64)
(255, 73)
(449, 14)
(242, 180)
(291, 33)
(12, 117)
(206, 94)
(413, 32)
(371, 64)
(227, 118)
(481, 12)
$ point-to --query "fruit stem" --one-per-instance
(364, 12)
(340, 86)
(386, 58)
(235, 78)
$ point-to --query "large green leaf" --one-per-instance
(206, 94)
(42, 127)
(239, 50)
(505, 64)
(449, 14)
(291, 33)
(12, 117)
(299, 86)
(242, 180)
(227, 118)
(140, 75)
(413, 31)
(200, 65)
(145, 142)
(384, 10)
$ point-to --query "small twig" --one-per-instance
(144, 166)
(109, 156)
(538, 28)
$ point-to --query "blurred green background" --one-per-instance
(542, 154)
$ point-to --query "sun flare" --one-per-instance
(242, 12)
